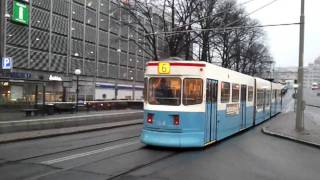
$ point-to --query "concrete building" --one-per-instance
(312, 73)
(52, 38)
(283, 74)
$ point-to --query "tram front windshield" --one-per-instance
(164, 91)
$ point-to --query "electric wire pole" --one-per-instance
(300, 102)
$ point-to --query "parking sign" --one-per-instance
(7, 63)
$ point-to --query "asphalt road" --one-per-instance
(312, 97)
(118, 154)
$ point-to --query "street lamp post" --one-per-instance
(77, 72)
(3, 23)
(300, 102)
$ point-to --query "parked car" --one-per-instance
(314, 86)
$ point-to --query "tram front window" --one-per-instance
(164, 91)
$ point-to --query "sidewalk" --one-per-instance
(18, 136)
(312, 97)
(69, 120)
(17, 116)
(284, 126)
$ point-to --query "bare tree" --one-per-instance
(142, 17)
(207, 24)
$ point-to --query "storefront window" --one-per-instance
(17, 95)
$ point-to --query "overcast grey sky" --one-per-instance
(284, 41)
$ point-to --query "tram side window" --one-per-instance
(145, 89)
(250, 93)
(235, 92)
(164, 91)
(267, 102)
(260, 98)
(192, 91)
(225, 92)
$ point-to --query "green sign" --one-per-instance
(20, 13)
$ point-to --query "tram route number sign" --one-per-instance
(164, 68)
(232, 109)
(20, 13)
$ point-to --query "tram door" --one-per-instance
(211, 110)
(243, 105)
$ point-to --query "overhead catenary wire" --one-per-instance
(227, 26)
(254, 11)
(217, 13)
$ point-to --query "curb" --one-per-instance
(283, 136)
(65, 131)
(64, 122)
(313, 105)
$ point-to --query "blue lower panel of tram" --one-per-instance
(249, 117)
(262, 116)
(231, 124)
(273, 109)
(162, 131)
(170, 139)
(192, 130)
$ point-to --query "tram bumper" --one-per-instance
(172, 139)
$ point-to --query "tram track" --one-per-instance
(136, 135)
(59, 170)
(78, 148)
(142, 165)
(80, 158)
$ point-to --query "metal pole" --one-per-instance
(44, 98)
(3, 12)
(36, 97)
(300, 102)
(77, 92)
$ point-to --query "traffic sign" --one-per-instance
(7, 63)
(20, 13)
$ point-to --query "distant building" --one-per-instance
(312, 73)
(283, 74)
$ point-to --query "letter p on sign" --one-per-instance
(7, 63)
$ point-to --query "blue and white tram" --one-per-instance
(193, 104)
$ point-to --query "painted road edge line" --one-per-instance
(79, 155)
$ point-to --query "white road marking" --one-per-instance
(74, 156)
(71, 117)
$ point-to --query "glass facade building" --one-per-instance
(95, 36)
